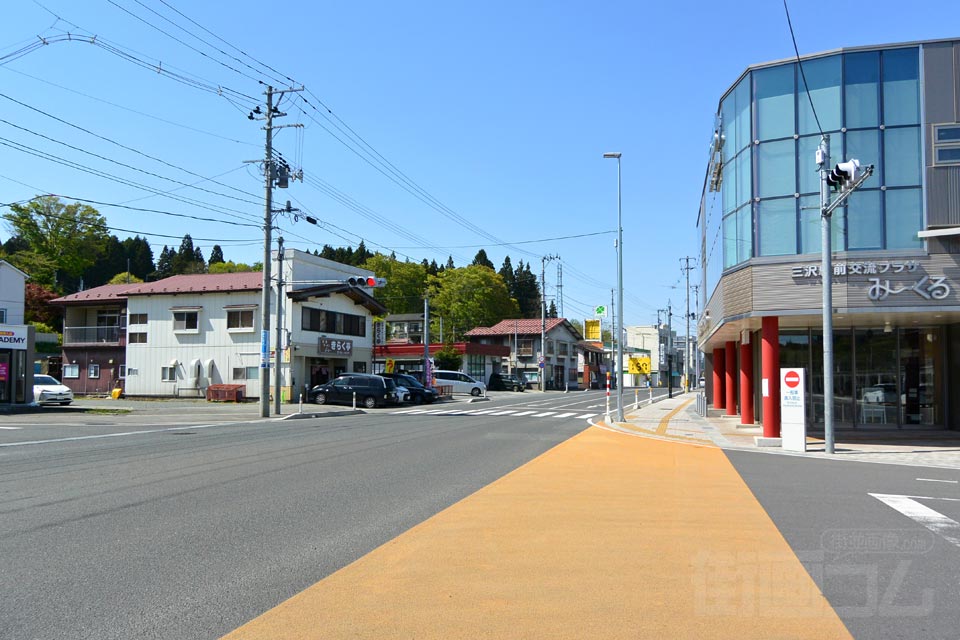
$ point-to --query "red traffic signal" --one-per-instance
(365, 281)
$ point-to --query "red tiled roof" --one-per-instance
(523, 326)
(201, 283)
(106, 292)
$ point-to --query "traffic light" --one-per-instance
(844, 175)
(366, 281)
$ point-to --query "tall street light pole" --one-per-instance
(619, 365)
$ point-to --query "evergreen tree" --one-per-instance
(482, 260)
(433, 269)
(112, 260)
(527, 291)
(140, 254)
(328, 253)
(450, 263)
(552, 312)
(361, 255)
(506, 272)
(216, 255)
(165, 263)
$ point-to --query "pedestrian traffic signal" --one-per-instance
(366, 281)
(844, 175)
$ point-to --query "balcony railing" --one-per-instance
(94, 335)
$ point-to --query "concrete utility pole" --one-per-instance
(560, 289)
(543, 320)
(669, 350)
(277, 377)
(686, 348)
(844, 176)
(427, 373)
(696, 349)
(269, 175)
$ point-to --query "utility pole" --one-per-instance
(669, 350)
(277, 377)
(847, 177)
(427, 373)
(542, 363)
(696, 352)
(613, 337)
(560, 289)
(269, 175)
(686, 359)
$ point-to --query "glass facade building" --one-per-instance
(895, 240)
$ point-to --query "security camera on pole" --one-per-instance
(845, 177)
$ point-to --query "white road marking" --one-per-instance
(524, 413)
(565, 415)
(937, 480)
(545, 413)
(115, 435)
(587, 416)
(946, 528)
(12, 428)
(503, 413)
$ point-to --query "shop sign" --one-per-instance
(927, 287)
(864, 268)
(13, 337)
(335, 347)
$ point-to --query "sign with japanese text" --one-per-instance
(390, 365)
(334, 347)
(882, 285)
(793, 414)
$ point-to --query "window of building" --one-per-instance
(93, 371)
(862, 89)
(240, 320)
(810, 226)
(777, 220)
(524, 347)
(475, 366)
(808, 173)
(333, 322)
(904, 218)
(774, 91)
(122, 371)
(865, 147)
(168, 374)
(137, 318)
(823, 82)
(186, 321)
(864, 220)
(901, 157)
(131, 371)
(562, 348)
(246, 373)
(901, 86)
(3, 316)
(71, 371)
(137, 337)
(776, 169)
(359, 367)
(946, 141)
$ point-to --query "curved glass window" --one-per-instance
(901, 95)
(776, 170)
(774, 91)
(735, 113)
(865, 147)
(777, 220)
(862, 87)
(823, 82)
(811, 226)
(744, 178)
(904, 218)
(807, 164)
(864, 220)
(901, 155)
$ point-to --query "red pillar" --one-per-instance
(746, 383)
(770, 381)
(731, 383)
(719, 362)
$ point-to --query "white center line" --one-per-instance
(938, 480)
(12, 428)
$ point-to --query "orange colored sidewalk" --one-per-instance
(607, 535)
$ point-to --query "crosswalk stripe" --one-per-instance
(564, 415)
(503, 413)
(586, 416)
(524, 413)
(544, 414)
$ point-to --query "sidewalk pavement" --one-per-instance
(677, 419)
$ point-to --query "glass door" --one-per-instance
(876, 378)
(921, 396)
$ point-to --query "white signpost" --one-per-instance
(793, 410)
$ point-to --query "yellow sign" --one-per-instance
(591, 330)
(390, 365)
(639, 364)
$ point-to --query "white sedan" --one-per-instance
(49, 390)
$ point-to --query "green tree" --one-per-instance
(448, 358)
(470, 297)
(72, 236)
(124, 278)
(113, 260)
(527, 291)
(165, 263)
(449, 263)
(140, 255)
(406, 283)
(552, 311)
(506, 272)
(482, 260)
(188, 259)
(231, 267)
(216, 255)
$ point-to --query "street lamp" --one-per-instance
(619, 378)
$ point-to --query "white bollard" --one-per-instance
(354, 400)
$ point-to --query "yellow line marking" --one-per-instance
(662, 428)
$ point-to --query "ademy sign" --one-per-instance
(13, 337)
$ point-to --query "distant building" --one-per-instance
(16, 340)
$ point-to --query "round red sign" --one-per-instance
(792, 379)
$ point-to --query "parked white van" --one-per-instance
(461, 382)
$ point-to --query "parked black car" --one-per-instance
(507, 382)
(372, 391)
(418, 393)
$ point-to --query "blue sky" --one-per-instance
(500, 111)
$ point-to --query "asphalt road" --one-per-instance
(189, 533)
(882, 541)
